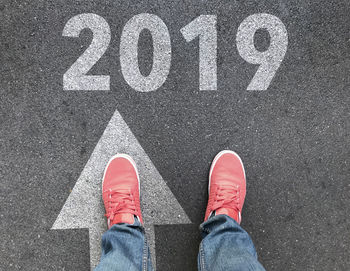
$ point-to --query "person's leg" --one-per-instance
(225, 245)
(124, 245)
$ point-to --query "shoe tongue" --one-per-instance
(123, 218)
(230, 212)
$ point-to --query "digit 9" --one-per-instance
(269, 60)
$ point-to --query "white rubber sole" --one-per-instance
(217, 158)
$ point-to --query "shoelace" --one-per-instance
(227, 197)
(120, 201)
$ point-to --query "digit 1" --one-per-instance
(204, 26)
(270, 59)
(161, 54)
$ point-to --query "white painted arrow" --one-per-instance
(84, 206)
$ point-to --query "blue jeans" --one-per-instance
(225, 246)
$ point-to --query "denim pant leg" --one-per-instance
(226, 247)
(124, 247)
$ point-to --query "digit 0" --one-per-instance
(161, 54)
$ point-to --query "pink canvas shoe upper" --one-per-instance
(227, 186)
(120, 191)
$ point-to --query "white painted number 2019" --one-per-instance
(204, 27)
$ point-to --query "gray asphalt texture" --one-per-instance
(293, 138)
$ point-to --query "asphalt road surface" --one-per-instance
(293, 137)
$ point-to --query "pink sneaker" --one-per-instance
(121, 191)
(227, 186)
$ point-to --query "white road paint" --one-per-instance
(204, 27)
(269, 60)
(76, 77)
(84, 206)
(129, 63)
